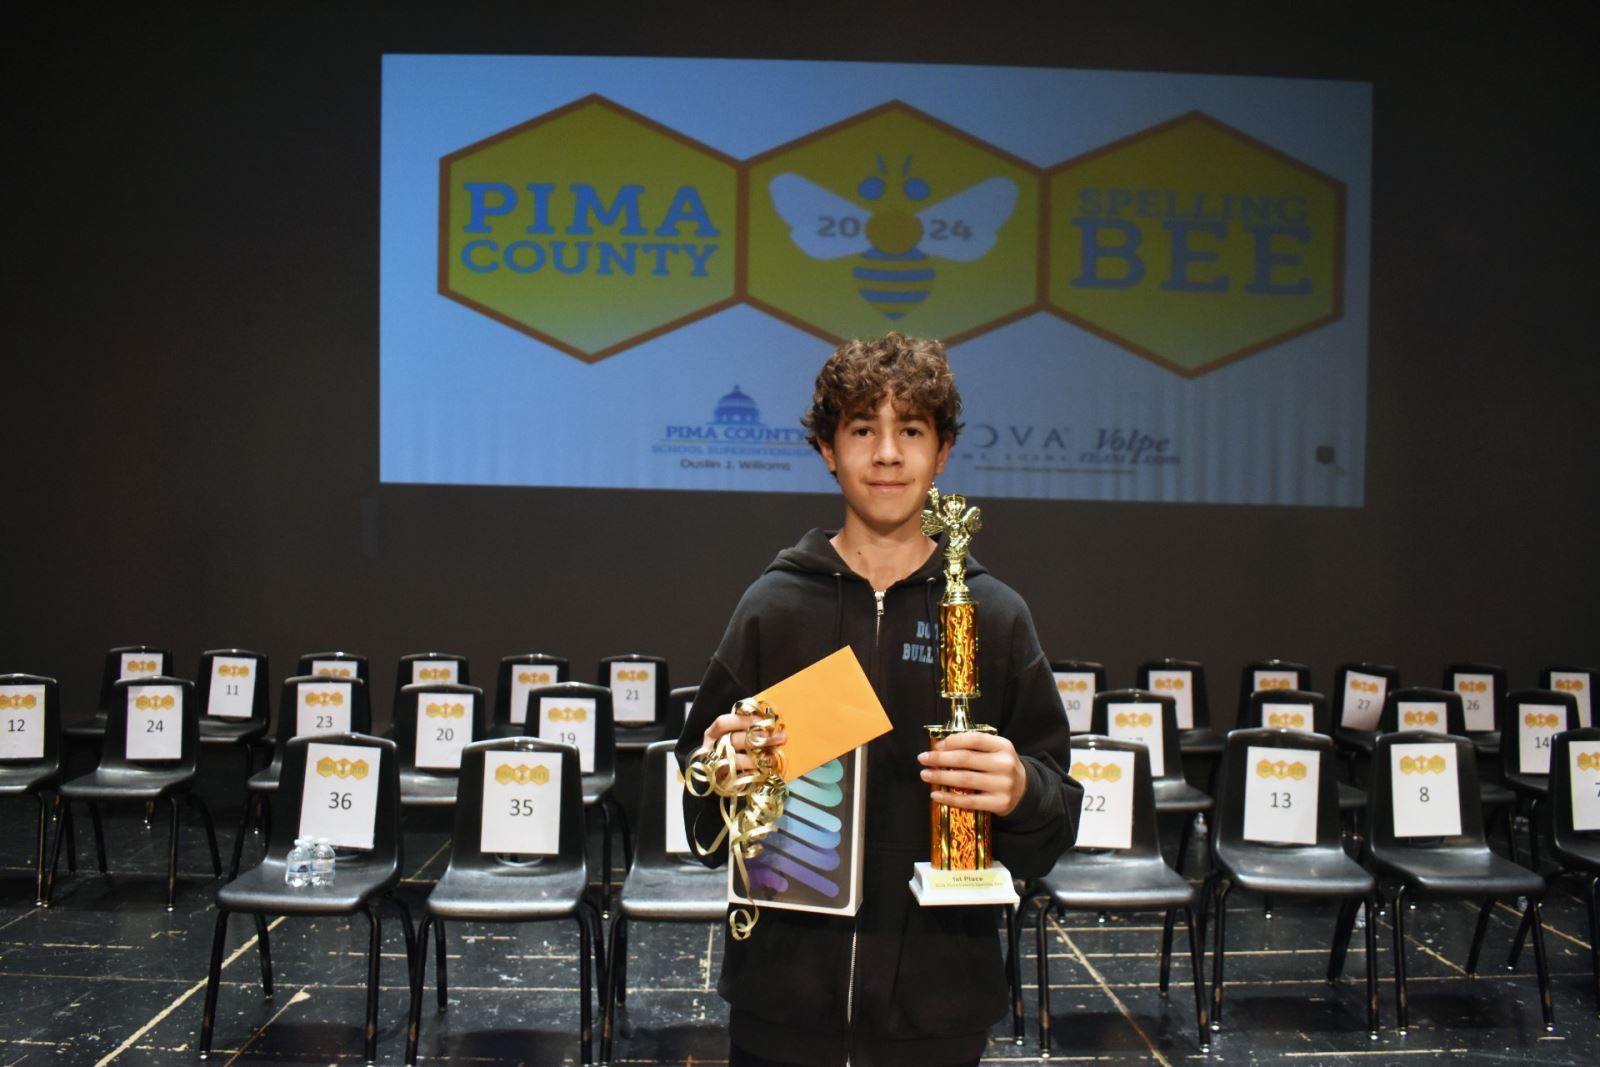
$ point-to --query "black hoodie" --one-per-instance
(898, 983)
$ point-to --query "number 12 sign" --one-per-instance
(21, 722)
(341, 794)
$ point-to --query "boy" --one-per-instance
(898, 984)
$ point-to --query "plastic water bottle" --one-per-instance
(321, 862)
(298, 874)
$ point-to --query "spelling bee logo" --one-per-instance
(1134, 718)
(521, 774)
(578, 714)
(1416, 717)
(18, 701)
(323, 698)
(536, 677)
(1435, 764)
(1287, 720)
(445, 711)
(1096, 772)
(328, 767)
(445, 673)
(590, 227)
(1281, 769)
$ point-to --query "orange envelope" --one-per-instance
(827, 709)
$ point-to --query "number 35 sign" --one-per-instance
(341, 794)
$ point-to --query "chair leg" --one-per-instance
(1478, 931)
(440, 979)
(418, 971)
(585, 991)
(40, 847)
(1533, 834)
(62, 824)
(211, 832)
(264, 950)
(1014, 970)
(618, 961)
(1542, 965)
(1371, 904)
(374, 951)
(64, 821)
(611, 985)
(1043, 946)
(1343, 927)
(172, 850)
(605, 859)
(1397, 915)
(1167, 923)
(1185, 835)
(238, 838)
(1197, 977)
(99, 836)
(1592, 898)
(1220, 894)
(1516, 942)
(213, 979)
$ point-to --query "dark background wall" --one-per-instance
(191, 368)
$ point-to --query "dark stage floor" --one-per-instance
(108, 976)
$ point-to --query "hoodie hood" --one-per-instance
(815, 554)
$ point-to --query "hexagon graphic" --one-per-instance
(590, 227)
(1194, 245)
(892, 219)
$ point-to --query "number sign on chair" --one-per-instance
(1107, 814)
(524, 678)
(1425, 792)
(1477, 700)
(570, 721)
(333, 668)
(1297, 717)
(341, 794)
(233, 688)
(155, 722)
(1268, 680)
(434, 670)
(633, 692)
(1077, 697)
(22, 722)
(1428, 715)
(521, 803)
(677, 835)
(1585, 764)
(1180, 686)
(140, 665)
(1576, 683)
(1140, 723)
(444, 727)
(1536, 725)
(1362, 701)
(1280, 796)
(322, 708)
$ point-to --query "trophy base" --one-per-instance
(934, 889)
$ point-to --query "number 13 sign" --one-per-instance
(1280, 795)
(341, 794)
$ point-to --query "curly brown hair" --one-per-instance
(860, 374)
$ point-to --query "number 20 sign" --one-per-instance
(341, 794)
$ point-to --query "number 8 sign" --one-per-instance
(341, 794)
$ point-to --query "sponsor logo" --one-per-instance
(735, 437)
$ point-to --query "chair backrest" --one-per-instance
(1424, 709)
(30, 721)
(345, 789)
(680, 701)
(1116, 781)
(1185, 681)
(1077, 682)
(661, 840)
(310, 704)
(577, 714)
(434, 721)
(1269, 674)
(1359, 690)
(1575, 789)
(145, 714)
(1263, 771)
(1143, 717)
(1533, 718)
(334, 664)
(516, 676)
(507, 801)
(1418, 781)
(131, 661)
(1580, 682)
(1287, 709)
(231, 684)
(426, 668)
(639, 687)
(1483, 693)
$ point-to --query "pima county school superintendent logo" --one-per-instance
(590, 228)
(736, 430)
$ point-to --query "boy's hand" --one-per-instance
(986, 764)
(737, 724)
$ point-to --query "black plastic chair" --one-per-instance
(1483, 694)
(124, 661)
(1136, 878)
(661, 886)
(119, 778)
(600, 777)
(1359, 690)
(515, 677)
(1457, 865)
(342, 708)
(1305, 711)
(1077, 682)
(334, 664)
(1580, 682)
(1269, 675)
(1173, 793)
(1418, 708)
(363, 878)
(1318, 871)
(454, 716)
(220, 688)
(30, 708)
(1539, 714)
(1576, 851)
(639, 681)
(516, 887)
(1197, 739)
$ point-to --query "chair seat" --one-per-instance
(1486, 744)
(92, 727)
(1319, 871)
(1200, 741)
(1176, 795)
(1458, 872)
(1111, 881)
(681, 891)
(1351, 798)
(266, 779)
(1529, 785)
(509, 893)
(263, 890)
(1361, 741)
(1580, 855)
(126, 783)
(215, 731)
(20, 779)
(596, 787)
(1494, 795)
(426, 789)
(639, 738)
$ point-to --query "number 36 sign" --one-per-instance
(341, 794)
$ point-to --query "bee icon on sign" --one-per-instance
(894, 241)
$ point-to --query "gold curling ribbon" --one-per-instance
(751, 802)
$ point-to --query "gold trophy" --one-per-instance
(961, 867)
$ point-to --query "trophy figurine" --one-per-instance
(961, 867)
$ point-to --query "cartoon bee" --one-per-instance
(893, 243)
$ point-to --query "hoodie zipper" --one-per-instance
(855, 933)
